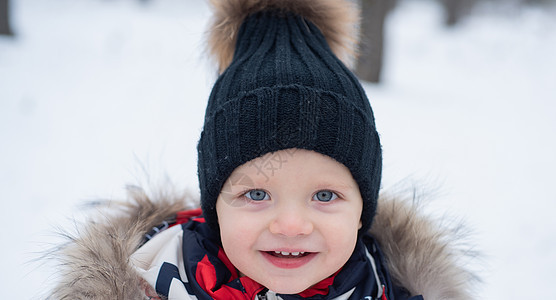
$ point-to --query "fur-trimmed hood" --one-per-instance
(95, 263)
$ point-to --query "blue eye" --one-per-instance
(257, 195)
(325, 196)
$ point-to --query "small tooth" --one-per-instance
(277, 252)
(285, 253)
(295, 253)
(301, 253)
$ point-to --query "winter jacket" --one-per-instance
(417, 257)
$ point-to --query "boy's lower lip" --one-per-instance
(288, 263)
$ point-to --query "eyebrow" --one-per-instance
(335, 185)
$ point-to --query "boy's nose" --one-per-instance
(291, 221)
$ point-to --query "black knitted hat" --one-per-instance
(285, 88)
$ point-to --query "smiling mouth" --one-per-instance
(289, 260)
(283, 254)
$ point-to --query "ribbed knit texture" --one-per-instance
(286, 89)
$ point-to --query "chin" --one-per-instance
(287, 288)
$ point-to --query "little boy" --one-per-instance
(289, 172)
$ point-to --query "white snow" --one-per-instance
(96, 94)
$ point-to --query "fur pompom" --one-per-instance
(337, 20)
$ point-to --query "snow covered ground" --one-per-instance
(96, 94)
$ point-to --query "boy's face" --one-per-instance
(289, 219)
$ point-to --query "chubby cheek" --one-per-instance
(343, 249)
(239, 243)
(236, 236)
(341, 240)
(234, 249)
(238, 233)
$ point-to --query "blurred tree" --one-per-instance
(540, 2)
(371, 44)
(5, 28)
(455, 10)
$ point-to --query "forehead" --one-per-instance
(298, 164)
